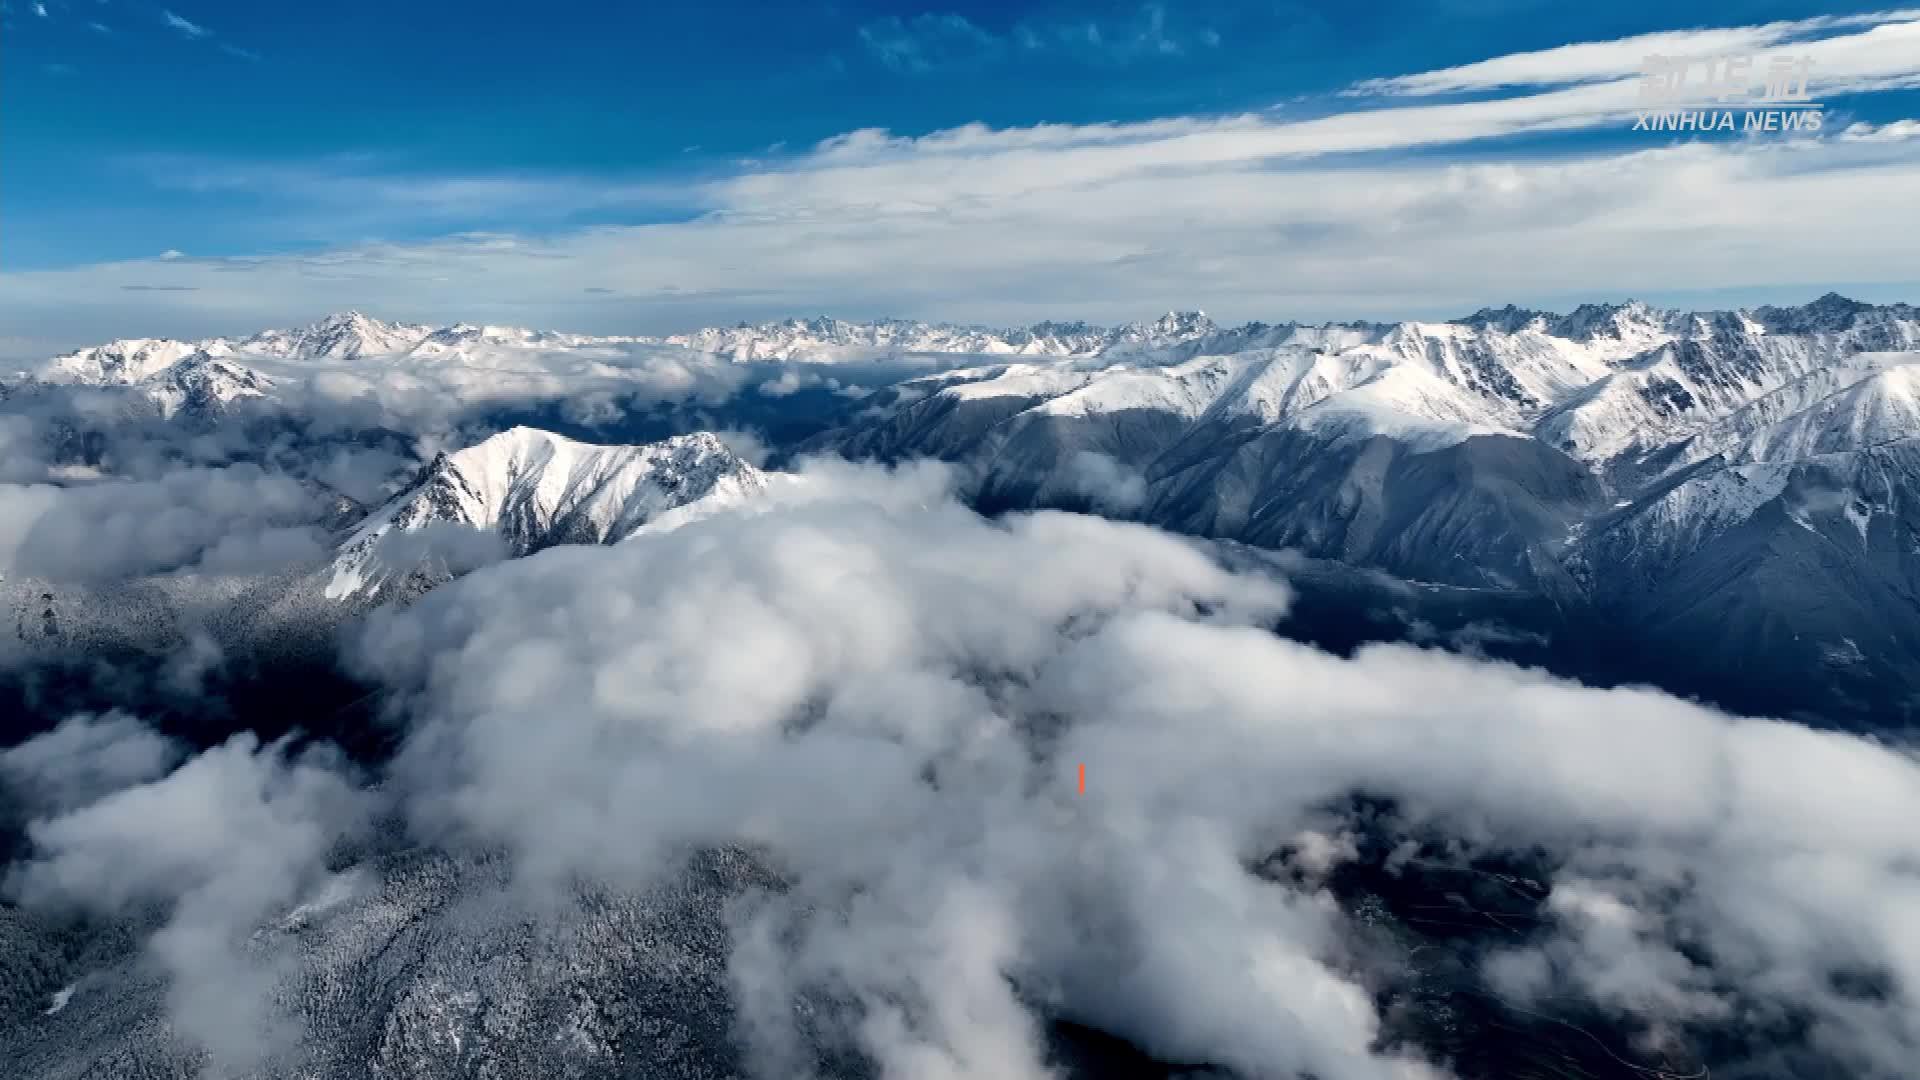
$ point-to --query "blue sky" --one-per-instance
(200, 166)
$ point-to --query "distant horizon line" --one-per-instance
(954, 324)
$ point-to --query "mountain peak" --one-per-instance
(1508, 318)
(350, 320)
(1617, 321)
(1174, 326)
(532, 488)
(340, 335)
(1829, 313)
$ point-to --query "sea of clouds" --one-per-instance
(887, 698)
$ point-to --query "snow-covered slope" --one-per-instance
(532, 489)
(203, 383)
(118, 363)
(1881, 408)
(1717, 363)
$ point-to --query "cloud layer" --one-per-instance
(234, 519)
(890, 697)
(229, 838)
(887, 699)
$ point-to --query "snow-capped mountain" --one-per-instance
(134, 360)
(118, 363)
(202, 383)
(342, 336)
(352, 335)
(532, 489)
(418, 376)
(1680, 473)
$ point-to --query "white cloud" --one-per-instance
(223, 842)
(1892, 131)
(85, 758)
(236, 516)
(1108, 485)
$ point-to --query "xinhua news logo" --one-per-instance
(1725, 93)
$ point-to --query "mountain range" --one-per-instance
(1702, 491)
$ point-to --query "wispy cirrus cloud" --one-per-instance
(1842, 47)
(370, 193)
(948, 41)
(930, 42)
(1149, 31)
(199, 32)
(185, 26)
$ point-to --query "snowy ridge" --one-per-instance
(1434, 383)
(1600, 383)
(1741, 436)
(1878, 409)
(825, 340)
(532, 489)
(1718, 363)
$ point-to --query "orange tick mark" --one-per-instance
(1083, 778)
